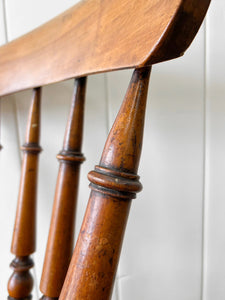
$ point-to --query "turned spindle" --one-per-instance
(23, 243)
(61, 235)
(114, 184)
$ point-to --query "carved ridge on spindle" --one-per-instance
(20, 283)
(71, 156)
(31, 148)
(23, 263)
(115, 183)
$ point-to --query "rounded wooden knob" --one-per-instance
(20, 285)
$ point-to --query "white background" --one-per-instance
(174, 247)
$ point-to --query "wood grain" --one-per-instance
(114, 183)
(23, 243)
(61, 235)
(97, 36)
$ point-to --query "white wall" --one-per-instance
(175, 240)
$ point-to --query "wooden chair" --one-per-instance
(91, 37)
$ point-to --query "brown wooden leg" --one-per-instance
(23, 243)
(114, 183)
(61, 235)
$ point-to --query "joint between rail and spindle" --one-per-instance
(31, 148)
(114, 183)
(71, 157)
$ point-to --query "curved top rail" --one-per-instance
(100, 35)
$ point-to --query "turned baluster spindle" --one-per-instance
(23, 243)
(61, 235)
(114, 183)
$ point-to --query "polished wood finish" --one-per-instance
(61, 236)
(20, 284)
(114, 183)
(93, 36)
(97, 36)
(23, 243)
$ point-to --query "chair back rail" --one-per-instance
(97, 36)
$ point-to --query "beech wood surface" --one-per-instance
(100, 35)
(114, 183)
(61, 235)
(23, 243)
